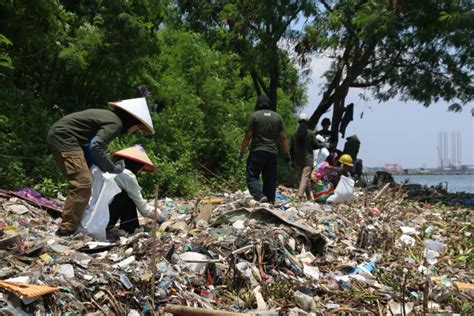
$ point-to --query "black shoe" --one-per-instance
(64, 232)
(263, 199)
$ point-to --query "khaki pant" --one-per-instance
(304, 183)
(74, 168)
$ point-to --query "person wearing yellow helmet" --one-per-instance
(346, 160)
(344, 170)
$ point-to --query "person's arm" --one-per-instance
(98, 146)
(128, 181)
(245, 143)
(98, 151)
(284, 143)
(248, 136)
(292, 145)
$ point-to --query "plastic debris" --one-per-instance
(67, 270)
(228, 254)
(28, 290)
(126, 282)
(399, 309)
(304, 301)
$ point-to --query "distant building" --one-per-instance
(449, 152)
(393, 168)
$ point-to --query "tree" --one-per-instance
(420, 50)
(67, 56)
(71, 55)
(253, 30)
(88, 49)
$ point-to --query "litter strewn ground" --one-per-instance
(226, 254)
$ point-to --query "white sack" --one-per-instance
(343, 191)
(96, 215)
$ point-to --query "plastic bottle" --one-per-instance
(319, 186)
(304, 301)
(163, 287)
(429, 230)
(371, 265)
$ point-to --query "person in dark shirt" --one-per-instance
(87, 133)
(302, 144)
(325, 132)
(351, 147)
(264, 129)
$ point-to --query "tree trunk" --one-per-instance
(255, 83)
(274, 78)
(322, 108)
(336, 91)
(336, 118)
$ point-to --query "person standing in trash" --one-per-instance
(86, 134)
(325, 132)
(264, 128)
(327, 135)
(351, 147)
(302, 144)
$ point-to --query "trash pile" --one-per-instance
(230, 255)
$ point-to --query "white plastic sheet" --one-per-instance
(96, 215)
(343, 192)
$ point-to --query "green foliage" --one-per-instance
(206, 107)
(5, 59)
(205, 63)
(90, 50)
(75, 55)
(23, 126)
(49, 187)
(417, 50)
(253, 31)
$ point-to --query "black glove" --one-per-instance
(118, 168)
(98, 151)
(287, 159)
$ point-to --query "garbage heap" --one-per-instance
(437, 194)
(227, 254)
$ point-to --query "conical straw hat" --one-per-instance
(139, 109)
(136, 153)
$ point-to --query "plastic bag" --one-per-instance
(322, 191)
(320, 156)
(343, 191)
(324, 173)
(96, 215)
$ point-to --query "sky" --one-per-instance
(395, 131)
